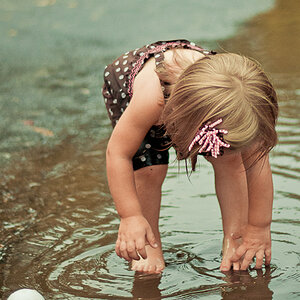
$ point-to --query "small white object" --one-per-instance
(26, 294)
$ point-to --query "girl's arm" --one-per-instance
(143, 111)
(257, 236)
(232, 193)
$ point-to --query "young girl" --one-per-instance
(221, 106)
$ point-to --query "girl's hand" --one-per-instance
(134, 233)
(230, 244)
(256, 243)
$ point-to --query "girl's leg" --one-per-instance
(148, 182)
(232, 194)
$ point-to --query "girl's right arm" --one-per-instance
(143, 111)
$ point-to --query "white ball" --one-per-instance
(26, 294)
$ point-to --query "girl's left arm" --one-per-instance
(257, 236)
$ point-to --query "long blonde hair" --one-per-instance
(227, 86)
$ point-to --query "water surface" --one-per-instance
(58, 221)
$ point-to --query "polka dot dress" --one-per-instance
(117, 92)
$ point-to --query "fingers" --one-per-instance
(225, 265)
(117, 248)
(131, 250)
(123, 250)
(236, 266)
(259, 259)
(240, 251)
(267, 257)
(151, 238)
(247, 259)
(140, 246)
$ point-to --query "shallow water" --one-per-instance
(59, 224)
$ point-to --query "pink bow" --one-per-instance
(210, 139)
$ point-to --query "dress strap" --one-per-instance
(159, 57)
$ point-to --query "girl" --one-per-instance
(221, 106)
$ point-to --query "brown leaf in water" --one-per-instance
(28, 122)
(43, 131)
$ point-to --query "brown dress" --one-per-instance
(117, 92)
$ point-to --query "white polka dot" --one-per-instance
(108, 82)
(124, 62)
(142, 53)
(159, 156)
(126, 53)
(152, 47)
(126, 69)
(121, 77)
(105, 100)
(117, 121)
(148, 146)
(192, 44)
(133, 64)
(124, 84)
(157, 55)
(118, 69)
(125, 56)
(115, 101)
(106, 74)
(134, 52)
(123, 95)
(117, 62)
(127, 103)
(206, 52)
(122, 109)
(143, 158)
(110, 111)
(163, 43)
(157, 62)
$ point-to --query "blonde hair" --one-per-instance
(227, 86)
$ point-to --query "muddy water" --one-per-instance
(58, 221)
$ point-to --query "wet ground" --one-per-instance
(58, 222)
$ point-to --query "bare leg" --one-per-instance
(148, 182)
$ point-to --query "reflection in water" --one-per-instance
(59, 224)
(146, 286)
(248, 285)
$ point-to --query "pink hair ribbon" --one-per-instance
(210, 139)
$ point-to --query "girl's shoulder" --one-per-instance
(173, 58)
(147, 83)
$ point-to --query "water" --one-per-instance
(58, 222)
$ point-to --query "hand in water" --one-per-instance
(230, 244)
(256, 243)
(134, 233)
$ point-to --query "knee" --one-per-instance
(152, 175)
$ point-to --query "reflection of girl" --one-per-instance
(201, 103)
